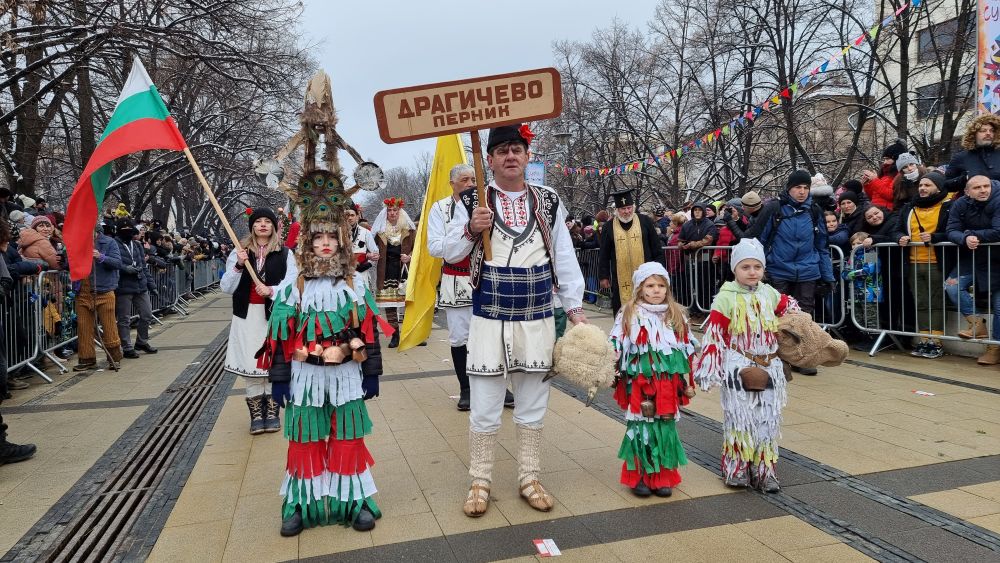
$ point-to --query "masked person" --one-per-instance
(315, 347)
(135, 284)
(512, 331)
(627, 240)
(252, 301)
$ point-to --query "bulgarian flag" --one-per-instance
(140, 122)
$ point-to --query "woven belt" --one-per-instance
(760, 360)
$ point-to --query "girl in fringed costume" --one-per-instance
(739, 353)
(651, 340)
(316, 344)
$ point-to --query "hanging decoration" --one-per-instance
(741, 121)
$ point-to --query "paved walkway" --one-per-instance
(870, 469)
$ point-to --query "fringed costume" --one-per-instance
(654, 365)
(742, 331)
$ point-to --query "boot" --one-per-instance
(977, 328)
(740, 479)
(292, 525)
(991, 357)
(13, 453)
(459, 355)
(365, 520)
(529, 445)
(641, 490)
(272, 420)
(464, 402)
(482, 448)
(256, 406)
(508, 400)
(394, 341)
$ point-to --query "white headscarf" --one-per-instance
(380, 221)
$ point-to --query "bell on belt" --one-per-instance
(648, 408)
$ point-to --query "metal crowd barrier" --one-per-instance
(592, 292)
(893, 296)
(39, 318)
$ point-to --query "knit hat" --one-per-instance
(750, 199)
(648, 269)
(39, 220)
(849, 196)
(904, 159)
(819, 186)
(798, 178)
(16, 216)
(853, 186)
(894, 150)
(936, 177)
(262, 212)
(747, 248)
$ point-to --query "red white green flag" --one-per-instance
(140, 122)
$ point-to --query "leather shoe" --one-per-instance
(663, 492)
(463, 400)
(145, 347)
(130, 354)
(17, 384)
(808, 371)
(84, 366)
(508, 400)
(292, 525)
(365, 520)
(641, 490)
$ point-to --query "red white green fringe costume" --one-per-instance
(328, 470)
(744, 321)
(653, 363)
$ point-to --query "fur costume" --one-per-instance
(585, 357)
(328, 476)
(742, 331)
(654, 369)
(803, 343)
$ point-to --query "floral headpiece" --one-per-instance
(393, 202)
(526, 133)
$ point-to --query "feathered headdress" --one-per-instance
(321, 199)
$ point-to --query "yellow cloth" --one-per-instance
(425, 270)
(629, 255)
(928, 217)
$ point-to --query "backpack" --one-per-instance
(777, 217)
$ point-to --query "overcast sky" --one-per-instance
(371, 45)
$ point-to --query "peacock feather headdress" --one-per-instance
(321, 200)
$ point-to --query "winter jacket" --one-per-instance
(855, 221)
(904, 228)
(701, 232)
(983, 161)
(840, 237)
(885, 232)
(726, 238)
(903, 190)
(738, 227)
(106, 268)
(134, 277)
(880, 190)
(823, 197)
(33, 246)
(18, 266)
(969, 217)
(794, 238)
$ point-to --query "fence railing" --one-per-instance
(39, 317)
(887, 291)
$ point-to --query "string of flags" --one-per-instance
(744, 120)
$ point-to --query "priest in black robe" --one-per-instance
(627, 240)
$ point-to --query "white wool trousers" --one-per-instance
(257, 386)
(531, 399)
(458, 324)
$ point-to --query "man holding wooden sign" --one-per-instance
(520, 253)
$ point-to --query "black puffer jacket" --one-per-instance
(981, 219)
(983, 161)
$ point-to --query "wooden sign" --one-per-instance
(433, 110)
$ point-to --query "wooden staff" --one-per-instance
(218, 210)
(477, 159)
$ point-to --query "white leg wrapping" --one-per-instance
(482, 448)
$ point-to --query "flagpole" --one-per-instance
(218, 210)
(477, 162)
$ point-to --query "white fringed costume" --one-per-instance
(742, 323)
(654, 363)
(328, 470)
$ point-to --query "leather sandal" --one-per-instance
(537, 497)
(477, 502)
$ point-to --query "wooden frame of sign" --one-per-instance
(460, 106)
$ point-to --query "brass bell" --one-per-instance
(648, 408)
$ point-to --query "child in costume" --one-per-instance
(741, 333)
(316, 339)
(654, 351)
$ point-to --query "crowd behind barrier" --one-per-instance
(874, 293)
(39, 317)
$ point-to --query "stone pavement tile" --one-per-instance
(205, 541)
(989, 490)
(837, 553)
(843, 458)
(254, 532)
(581, 492)
(403, 528)
(567, 436)
(324, 541)
(721, 543)
(17, 522)
(438, 470)
(517, 511)
(384, 450)
(991, 522)
(940, 431)
(446, 504)
(959, 503)
(866, 514)
(494, 544)
(787, 533)
(266, 448)
(655, 548)
(224, 467)
(398, 493)
(588, 554)
(940, 477)
(264, 477)
(420, 441)
(603, 464)
(936, 544)
(205, 502)
(553, 457)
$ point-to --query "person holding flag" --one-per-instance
(455, 289)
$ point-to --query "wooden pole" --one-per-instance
(477, 160)
(218, 210)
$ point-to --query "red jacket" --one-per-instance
(726, 238)
(880, 190)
